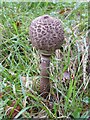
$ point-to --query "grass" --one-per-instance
(19, 63)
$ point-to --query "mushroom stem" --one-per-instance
(45, 82)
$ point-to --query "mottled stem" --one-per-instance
(45, 82)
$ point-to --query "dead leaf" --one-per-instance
(18, 23)
(64, 11)
(66, 76)
(11, 108)
(1, 95)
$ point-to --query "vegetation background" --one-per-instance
(19, 62)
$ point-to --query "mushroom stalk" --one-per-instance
(45, 82)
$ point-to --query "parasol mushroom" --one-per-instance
(46, 35)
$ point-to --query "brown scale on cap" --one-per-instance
(46, 35)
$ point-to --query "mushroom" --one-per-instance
(46, 35)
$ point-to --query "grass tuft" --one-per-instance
(19, 63)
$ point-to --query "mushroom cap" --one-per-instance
(46, 34)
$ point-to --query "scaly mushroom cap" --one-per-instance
(46, 34)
